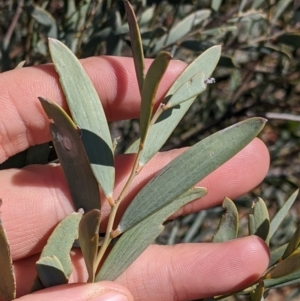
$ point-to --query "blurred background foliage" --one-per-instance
(258, 75)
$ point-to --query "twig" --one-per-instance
(12, 25)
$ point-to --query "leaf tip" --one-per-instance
(51, 40)
(42, 99)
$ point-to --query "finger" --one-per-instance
(193, 271)
(182, 272)
(101, 291)
(36, 198)
(22, 121)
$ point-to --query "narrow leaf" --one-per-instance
(44, 18)
(146, 16)
(59, 245)
(283, 281)
(50, 271)
(60, 242)
(205, 63)
(242, 6)
(152, 80)
(188, 169)
(87, 112)
(7, 277)
(88, 238)
(133, 242)
(181, 29)
(285, 267)
(81, 181)
(168, 120)
(215, 4)
(280, 8)
(74, 20)
(229, 223)
(259, 222)
(136, 44)
(293, 244)
(276, 254)
(133, 148)
(281, 214)
(193, 87)
(129, 247)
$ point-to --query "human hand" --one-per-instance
(36, 198)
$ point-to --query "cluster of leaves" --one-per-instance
(87, 141)
(257, 73)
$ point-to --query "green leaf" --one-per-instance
(168, 120)
(136, 44)
(50, 271)
(242, 5)
(146, 16)
(132, 149)
(285, 267)
(87, 112)
(181, 29)
(293, 244)
(7, 276)
(259, 222)
(280, 8)
(70, 22)
(283, 281)
(81, 181)
(286, 51)
(229, 223)
(215, 4)
(88, 238)
(193, 87)
(152, 80)
(133, 242)
(281, 214)
(60, 242)
(276, 254)
(188, 169)
(44, 18)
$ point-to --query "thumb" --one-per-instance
(100, 291)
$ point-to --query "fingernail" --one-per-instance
(110, 296)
